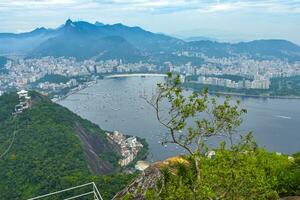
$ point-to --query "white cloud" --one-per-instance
(34, 4)
(161, 5)
(205, 5)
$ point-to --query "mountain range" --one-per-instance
(99, 41)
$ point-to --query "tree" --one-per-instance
(240, 172)
(239, 169)
(191, 120)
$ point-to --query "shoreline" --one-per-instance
(255, 96)
(76, 90)
(89, 84)
(107, 76)
(243, 94)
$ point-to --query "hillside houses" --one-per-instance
(24, 101)
(129, 146)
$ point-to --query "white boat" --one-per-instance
(282, 117)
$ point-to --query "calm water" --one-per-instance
(115, 104)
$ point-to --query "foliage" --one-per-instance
(289, 179)
(238, 170)
(222, 89)
(190, 120)
(113, 183)
(285, 86)
(7, 105)
(232, 77)
(53, 78)
(235, 78)
(241, 172)
(127, 197)
(47, 154)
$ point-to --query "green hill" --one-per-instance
(53, 149)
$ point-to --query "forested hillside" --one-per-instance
(53, 149)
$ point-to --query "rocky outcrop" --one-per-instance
(94, 146)
(137, 189)
(149, 179)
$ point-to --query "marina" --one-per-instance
(115, 104)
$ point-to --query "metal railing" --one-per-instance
(92, 192)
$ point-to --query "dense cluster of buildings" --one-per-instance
(255, 84)
(237, 65)
(250, 67)
(58, 86)
(23, 72)
(259, 71)
(129, 146)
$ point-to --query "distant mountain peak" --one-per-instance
(118, 24)
(68, 22)
(39, 30)
(69, 25)
(99, 23)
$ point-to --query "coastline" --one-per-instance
(254, 96)
(106, 76)
(91, 83)
(75, 90)
(236, 94)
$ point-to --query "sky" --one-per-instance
(225, 20)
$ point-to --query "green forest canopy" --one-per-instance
(47, 154)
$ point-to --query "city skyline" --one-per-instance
(229, 20)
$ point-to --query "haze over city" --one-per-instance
(223, 20)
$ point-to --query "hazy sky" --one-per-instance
(227, 19)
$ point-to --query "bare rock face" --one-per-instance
(137, 189)
(93, 146)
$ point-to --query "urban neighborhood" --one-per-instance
(129, 146)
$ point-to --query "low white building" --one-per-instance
(141, 165)
(23, 94)
(24, 100)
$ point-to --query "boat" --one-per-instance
(283, 117)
